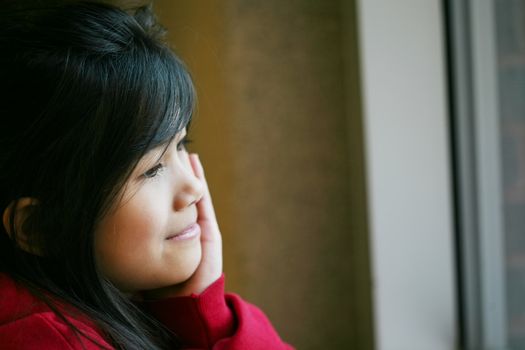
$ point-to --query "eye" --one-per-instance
(154, 171)
(183, 143)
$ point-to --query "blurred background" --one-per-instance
(366, 158)
(283, 158)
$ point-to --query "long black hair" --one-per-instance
(86, 90)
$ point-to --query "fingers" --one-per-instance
(210, 267)
(205, 205)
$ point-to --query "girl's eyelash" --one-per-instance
(183, 143)
(153, 171)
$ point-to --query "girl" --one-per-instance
(109, 238)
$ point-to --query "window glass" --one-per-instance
(510, 40)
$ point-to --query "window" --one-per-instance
(487, 46)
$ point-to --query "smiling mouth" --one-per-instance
(189, 232)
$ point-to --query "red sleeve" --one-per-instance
(44, 331)
(215, 320)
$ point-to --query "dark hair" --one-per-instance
(86, 91)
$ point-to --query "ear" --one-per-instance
(21, 213)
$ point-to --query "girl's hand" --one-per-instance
(210, 267)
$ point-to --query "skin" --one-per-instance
(131, 243)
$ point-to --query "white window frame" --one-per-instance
(409, 173)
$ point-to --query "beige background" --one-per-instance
(279, 131)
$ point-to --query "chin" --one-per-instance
(189, 266)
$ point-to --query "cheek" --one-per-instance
(136, 221)
(129, 239)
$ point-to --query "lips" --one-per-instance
(190, 231)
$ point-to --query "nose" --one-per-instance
(189, 189)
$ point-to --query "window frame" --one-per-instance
(477, 173)
(406, 131)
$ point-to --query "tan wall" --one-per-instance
(279, 132)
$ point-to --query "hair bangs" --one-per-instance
(168, 104)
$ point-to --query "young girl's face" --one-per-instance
(136, 244)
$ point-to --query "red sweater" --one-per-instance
(210, 320)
